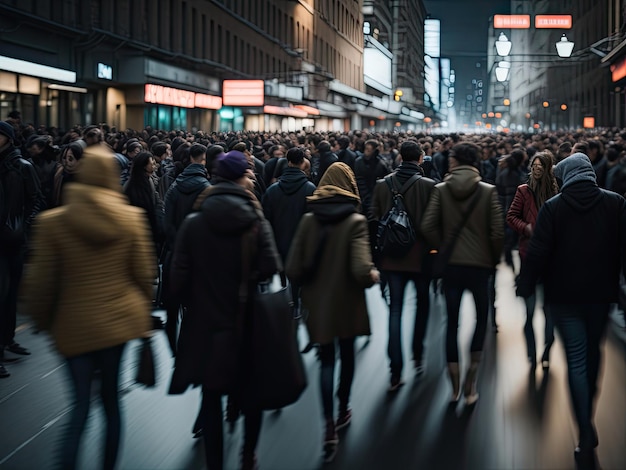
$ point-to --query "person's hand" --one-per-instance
(528, 230)
(375, 275)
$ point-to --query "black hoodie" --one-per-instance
(284, 203)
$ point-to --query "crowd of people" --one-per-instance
(92, 216)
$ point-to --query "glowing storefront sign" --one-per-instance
(208, 101)
(308, 109)
(243, 93)
(553, 21)
(105, 71)
(169, 96)
(511, 21)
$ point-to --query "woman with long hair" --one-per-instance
(142, 192)
(521, 217)
(70, 156)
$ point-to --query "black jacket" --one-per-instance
(320, 163)
(20, 198)
(367, 172)
(284, 204)
(180, 197)
(577, 247)
(347, 156)
(206, 273)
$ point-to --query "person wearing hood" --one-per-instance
(89, 283)
(206, 275)
(474, 256)
(578, 248)
(20, 201)
(330, 258)
(179, 202)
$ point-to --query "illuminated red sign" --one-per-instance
(553, 21)
(243, 92)
(208, 101)
(589, 122)
(309, 109)
(511, 21)
(618, 70)
(170, 96)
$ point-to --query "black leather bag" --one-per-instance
(146, 374)
(276, 371)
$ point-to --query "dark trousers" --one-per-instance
(327, 374)
(81, 369)
(582, 328)
(11, 270)
(397, 281)
(213, 433)
(529, 332)
(455, 281)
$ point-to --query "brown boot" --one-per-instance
(469, 389)
(453, 373)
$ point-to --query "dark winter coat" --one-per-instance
(335, 296)
(180, 198)
(367, 171)
(284, 204)
(415, 201)
(20, 198)
(206, 273)
(480, 242)
(320, 163)
(577, 246)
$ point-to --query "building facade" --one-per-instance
(163, 63)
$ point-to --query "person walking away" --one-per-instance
(331, 260)
(474, 256)
(577, 248)
(20, 201)
(412, 267)
(522, 217)
(284, 204)
(89, 283)
(206, 274)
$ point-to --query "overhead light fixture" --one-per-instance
(73, 89)
(503, 45)
(564, 47)
(502, 71)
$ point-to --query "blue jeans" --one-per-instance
(327, 374)
(582, 328)
(529, 332)
(397, 282)
(81, 369)
(455, 281)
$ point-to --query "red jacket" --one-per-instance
(523, 211)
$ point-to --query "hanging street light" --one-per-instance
(503, 45)
(564, 47)
(502, 71)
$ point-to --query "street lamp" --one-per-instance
(564, 47)
(502, 71)
(503, 45)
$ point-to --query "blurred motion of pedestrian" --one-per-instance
(330, 258)
(89, 283)
(577, 248)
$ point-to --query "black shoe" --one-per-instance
(17, 349)
(308, 348)
(585, 459)
(3, 372)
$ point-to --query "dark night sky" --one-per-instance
(464, 26)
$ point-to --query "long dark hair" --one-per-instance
(545, 187)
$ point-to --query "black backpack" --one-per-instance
(396, 236)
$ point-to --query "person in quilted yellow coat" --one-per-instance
(89, 283)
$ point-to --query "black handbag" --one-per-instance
(277, 375)
(146, 374)
(274, 370)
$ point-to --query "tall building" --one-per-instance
(549, 92)
(170, 63)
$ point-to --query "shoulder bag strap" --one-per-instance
(449, 243)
